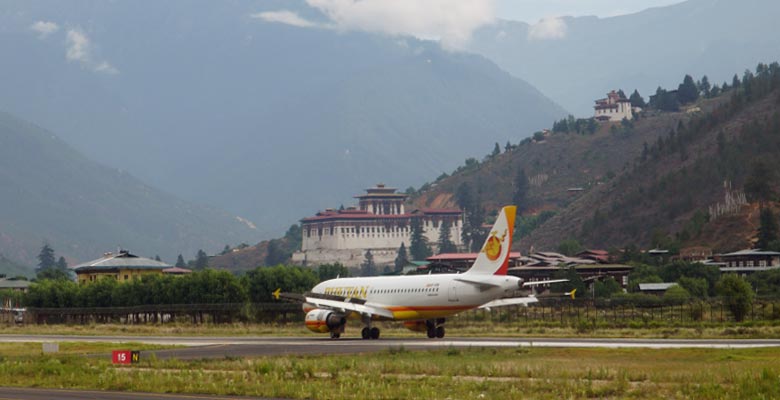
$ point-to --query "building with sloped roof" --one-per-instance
(379, 223)
(122, 266)
(749, 261)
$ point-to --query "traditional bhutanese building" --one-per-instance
(379, 223)
(613, 108)
(122, 266)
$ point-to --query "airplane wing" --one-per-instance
(534, 283)
(510, 302)
(344, 306)
(337, 303)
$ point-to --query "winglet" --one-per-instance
(276, 293)
(572, 293)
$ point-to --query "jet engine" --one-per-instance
(324, 321)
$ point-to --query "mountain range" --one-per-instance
(268, 121)
(577, 60)
(53, 194)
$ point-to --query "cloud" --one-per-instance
(44, 28)
(450, 21)
(548, 29)
(285, 17)
(79, 49)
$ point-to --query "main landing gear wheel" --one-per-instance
(335, 335)
(370, 333)
(431, 333)
(440, 332)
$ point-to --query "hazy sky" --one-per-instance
(450, 21)
(532, 11)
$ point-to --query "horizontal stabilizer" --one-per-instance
(535, 283)
(511, 301)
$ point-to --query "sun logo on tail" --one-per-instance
(493, 245)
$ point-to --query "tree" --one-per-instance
(508, 146)
(676, 295)
(46, 257)
(52, 273)
(445, 239)
(705, 87)
(180, 262)
(697, 287)
(201, 260)
(225, 250)
(419, 244)
(687, 92)
(275, 254)
(496, 150)
(62, 265)
(735, 83)
(332, 271)
(520, 193)
(768, 231)
(157, 258)
(402, 258)
(636, 99)
(574, 281)
(737, 294)
(368, 267)
(606, 288)
(758, 185)
(570, 247)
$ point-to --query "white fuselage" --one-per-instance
(416, 297)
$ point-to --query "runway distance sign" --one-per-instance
(125, 356)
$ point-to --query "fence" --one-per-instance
(547, 311)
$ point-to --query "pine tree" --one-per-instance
(419, 244)
(402, 258)
(201, 260)
(496, 150)
(636, 99)
(687, 92)
(368, 268)
(62, 265)
(735, 82)
(520, 192)
(180, 262)
(157, 258)
(445, 239)
(705, 87)
(758, 185)
(768, 231)
(46, 257)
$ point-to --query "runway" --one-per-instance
(195, 347)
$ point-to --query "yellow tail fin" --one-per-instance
(572, 293)
(276, 293)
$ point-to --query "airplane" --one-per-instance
(421, 302)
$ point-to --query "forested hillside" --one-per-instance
(663, 179)
(52, 193)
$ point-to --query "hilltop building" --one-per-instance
(613, 108)
(122, 266)
(379, 223)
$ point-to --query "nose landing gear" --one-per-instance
(435, 328)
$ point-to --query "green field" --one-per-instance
(455, 328)
(398, 373)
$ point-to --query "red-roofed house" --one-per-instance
(379, 223)
(613, 108)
